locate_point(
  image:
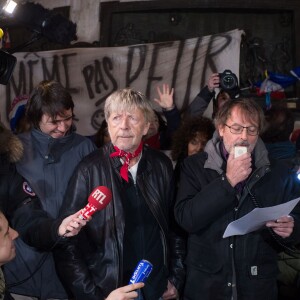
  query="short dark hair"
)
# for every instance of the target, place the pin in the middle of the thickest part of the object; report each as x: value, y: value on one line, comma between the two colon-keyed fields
x: 50, y: 98
x: 188, y: 130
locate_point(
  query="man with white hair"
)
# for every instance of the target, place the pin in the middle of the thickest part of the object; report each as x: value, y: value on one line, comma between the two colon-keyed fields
x: 137, y: 224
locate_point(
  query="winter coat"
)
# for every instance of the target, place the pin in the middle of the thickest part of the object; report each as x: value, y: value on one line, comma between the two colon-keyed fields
x: 242, y: 267
x: 91, y: 266
x: 13, y: 192
x: 11, y: 183
x: 199, y: 105
x: 47, y: 165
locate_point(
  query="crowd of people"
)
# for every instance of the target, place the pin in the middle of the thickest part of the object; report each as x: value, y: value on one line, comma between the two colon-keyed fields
x: 172, y: 215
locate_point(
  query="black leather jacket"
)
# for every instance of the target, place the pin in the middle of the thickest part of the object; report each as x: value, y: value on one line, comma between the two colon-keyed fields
x: 90, y: 264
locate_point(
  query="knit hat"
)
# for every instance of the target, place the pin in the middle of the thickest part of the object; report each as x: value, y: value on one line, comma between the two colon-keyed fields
x: 17, y: 111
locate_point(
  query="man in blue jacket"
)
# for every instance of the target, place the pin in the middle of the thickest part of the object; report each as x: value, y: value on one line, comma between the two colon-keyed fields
x: 218, y: 187
x: 52, y: 150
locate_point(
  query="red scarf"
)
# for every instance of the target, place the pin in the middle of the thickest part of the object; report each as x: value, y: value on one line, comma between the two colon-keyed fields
x: 128, y: 156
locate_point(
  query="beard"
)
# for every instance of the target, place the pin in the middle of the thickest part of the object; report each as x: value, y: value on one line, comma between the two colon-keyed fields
x: 230, y: 148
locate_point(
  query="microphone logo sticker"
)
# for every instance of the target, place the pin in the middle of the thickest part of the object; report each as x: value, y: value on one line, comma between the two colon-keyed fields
x: 27, y: 189
x: 88, y: 211
x: 99, y: 196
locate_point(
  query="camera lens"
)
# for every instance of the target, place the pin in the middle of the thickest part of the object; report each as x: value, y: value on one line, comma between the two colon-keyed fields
x: 228, y: 80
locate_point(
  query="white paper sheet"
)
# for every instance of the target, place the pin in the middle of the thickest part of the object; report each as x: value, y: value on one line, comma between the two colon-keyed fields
x: 258, y: 217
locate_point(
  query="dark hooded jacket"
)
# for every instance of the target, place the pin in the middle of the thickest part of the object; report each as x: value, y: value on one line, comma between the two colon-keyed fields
x: 47, y: 165
x: 201, y: 102
x: 242, y: 267
x: 13, y: 191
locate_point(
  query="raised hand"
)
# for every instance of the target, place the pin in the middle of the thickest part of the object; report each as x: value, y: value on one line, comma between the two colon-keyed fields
x: 213, y: 81
x: 165, y: 100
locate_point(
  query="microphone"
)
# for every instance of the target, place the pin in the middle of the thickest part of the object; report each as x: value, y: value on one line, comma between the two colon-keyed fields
x: 98, y: 200
x: 141, y: 272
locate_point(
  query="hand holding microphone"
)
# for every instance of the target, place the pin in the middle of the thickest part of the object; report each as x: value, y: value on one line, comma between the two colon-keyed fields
x: 139, y: 276
x: 98, y: 200
x: 126, y: 292
x: 239, y: 165
x: 71, y: 225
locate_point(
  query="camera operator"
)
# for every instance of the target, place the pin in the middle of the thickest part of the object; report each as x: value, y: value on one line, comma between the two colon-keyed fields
x: 229, y: 89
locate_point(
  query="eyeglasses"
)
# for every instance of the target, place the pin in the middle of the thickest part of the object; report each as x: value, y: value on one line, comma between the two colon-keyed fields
x: 238, y: 129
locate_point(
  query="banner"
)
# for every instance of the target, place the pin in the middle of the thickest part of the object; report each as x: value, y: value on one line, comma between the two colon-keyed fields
x: 91, y: 74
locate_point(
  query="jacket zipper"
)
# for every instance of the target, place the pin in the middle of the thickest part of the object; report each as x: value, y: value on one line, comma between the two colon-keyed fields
x: 163, y: 236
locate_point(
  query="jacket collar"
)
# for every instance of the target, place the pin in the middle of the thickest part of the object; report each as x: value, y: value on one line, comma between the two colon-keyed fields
x: 216, y: 162
x: 50, y: 148
x: 117, y: 164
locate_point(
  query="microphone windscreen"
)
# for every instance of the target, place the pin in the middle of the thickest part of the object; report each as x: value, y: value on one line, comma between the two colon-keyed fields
x: 100, y: 197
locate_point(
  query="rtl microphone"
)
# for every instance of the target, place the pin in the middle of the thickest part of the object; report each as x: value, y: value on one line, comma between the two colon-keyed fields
x: 98, y: 200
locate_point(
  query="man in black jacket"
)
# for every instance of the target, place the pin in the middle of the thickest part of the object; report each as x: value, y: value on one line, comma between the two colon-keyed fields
x: 218, y: 187
x: 11, y: 183
x: 137, y: 224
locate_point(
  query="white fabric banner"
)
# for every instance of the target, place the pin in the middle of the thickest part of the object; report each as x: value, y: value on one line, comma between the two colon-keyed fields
x: 91, y: 74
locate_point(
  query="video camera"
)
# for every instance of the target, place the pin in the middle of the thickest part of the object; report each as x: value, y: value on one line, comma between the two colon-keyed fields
x: 7, y: 65
x: 228, y: 81
x: 43, y: 23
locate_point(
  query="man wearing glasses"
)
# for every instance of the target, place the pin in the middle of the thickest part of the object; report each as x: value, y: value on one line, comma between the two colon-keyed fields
x: 52, y: 150
x: 221, y: 185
